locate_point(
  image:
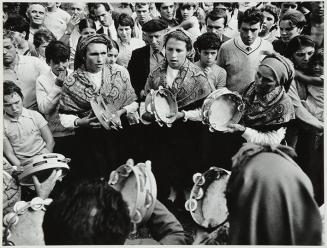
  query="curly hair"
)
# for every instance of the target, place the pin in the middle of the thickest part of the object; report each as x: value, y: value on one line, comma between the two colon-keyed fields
x: 207, y: 41
x: 17, y: 23
x: 124, y: 20
x: 41, y: 36
x: 89, y: 212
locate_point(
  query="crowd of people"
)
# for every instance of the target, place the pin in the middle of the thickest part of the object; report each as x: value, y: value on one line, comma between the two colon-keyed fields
x: 57, y: 57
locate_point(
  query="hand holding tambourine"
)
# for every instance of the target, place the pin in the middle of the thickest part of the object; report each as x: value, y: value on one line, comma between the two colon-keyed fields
x: 222, y: 108
x: 161, y: 106
x: 207, y: 202
x: 105, y: 113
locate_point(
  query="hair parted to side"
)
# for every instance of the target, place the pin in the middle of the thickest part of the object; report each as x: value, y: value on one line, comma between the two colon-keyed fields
x: 89, y: 212
x: 297, y: 42
x: 181, y: 36
x: 41, y: 36
x: 9, y: 88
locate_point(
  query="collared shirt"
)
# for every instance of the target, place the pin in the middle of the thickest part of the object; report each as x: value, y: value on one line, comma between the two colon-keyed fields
x: 47, y: 95
x: 24, y: 133
x: 126, y: 49
x: 111, y: 30
x: 155, y: 59
x: 24, y: 74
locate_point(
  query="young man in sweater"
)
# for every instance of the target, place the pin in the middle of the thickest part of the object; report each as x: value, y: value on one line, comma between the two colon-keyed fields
x: 241, y: 55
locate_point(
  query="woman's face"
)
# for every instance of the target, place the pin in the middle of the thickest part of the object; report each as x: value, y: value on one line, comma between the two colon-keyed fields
x: 124, y: 33
x: 112, y: 55
x: 268, y: 21
x: 96, y: 56
x: 187, y: 12
x: 175, y: 53
x: 288, y: 31
x: 88, y: 31
x: 302, y: 56
x: 264, y: 80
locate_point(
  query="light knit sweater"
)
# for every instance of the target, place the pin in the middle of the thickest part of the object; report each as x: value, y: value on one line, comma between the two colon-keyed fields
x: 241, y: 65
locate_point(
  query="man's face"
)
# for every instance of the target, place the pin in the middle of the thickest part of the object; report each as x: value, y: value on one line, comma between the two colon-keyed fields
x: 103, y: 16
x: 36, y: 14
x: 155, y: 39
x: 249, y: 32
x: 187, y: 12
x: 51, y: 5
x: 175, y: 53
x: 124, y: 33
x: 222, y: 7
x: 41, y: 49
x: 167, y: 10
x: 288, y: 31
x: 13, y: 105
x: 285, y: 6
x: 142, y: 13
x: 77, y: 8
x: 58, y: 67
x: 9, y: 51
x: 216, y: 27
x: 318, y: 9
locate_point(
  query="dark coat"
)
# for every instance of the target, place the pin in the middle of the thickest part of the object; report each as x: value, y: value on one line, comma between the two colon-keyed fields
x: 139, y: 68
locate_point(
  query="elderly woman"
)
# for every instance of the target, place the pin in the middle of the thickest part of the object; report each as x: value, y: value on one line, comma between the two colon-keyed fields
x: 268, y: 108
x: 94, y: 77
x: 189, y: 85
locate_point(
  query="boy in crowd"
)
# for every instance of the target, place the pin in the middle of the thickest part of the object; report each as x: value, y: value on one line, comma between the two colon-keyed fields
x: 207, y: 45
x: 48, y: 90
x: 26, y: 133
x: 216, y: 21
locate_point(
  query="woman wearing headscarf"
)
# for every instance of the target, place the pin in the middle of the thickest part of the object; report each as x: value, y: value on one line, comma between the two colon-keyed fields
x: 270, y: 200
x: 268, y: 108
x: 178, y: 145
x: 100, y: 150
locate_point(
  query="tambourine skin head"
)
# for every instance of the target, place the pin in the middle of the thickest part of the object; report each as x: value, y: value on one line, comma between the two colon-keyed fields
x: 207, y: 203
x: 102, y: 110
x: 221, y: 108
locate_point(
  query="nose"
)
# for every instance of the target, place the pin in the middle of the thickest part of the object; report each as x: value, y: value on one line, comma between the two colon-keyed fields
x: 101, y: 18
x: 306, y: 57
x: 283, y: 31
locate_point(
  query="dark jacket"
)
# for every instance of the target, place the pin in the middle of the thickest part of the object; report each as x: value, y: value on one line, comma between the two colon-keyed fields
x: 139, y: 68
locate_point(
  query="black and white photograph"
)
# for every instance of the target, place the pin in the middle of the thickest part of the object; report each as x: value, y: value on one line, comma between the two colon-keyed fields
x: 163, y: 123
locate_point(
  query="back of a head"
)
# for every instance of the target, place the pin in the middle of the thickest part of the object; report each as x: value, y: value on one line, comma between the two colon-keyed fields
x: 89, y: 212
x: 57, y: 51
x: 17, y: 23
x: 207, y: 41
x: 41, y: 36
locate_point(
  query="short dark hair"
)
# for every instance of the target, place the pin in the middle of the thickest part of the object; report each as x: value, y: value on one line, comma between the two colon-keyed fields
x: 124, y: 20
x: 41, y: 36
x: 251, y: 16
x: 271, y: 9
x: 181, y: 36
x: 9, y: 35
x: 297, y: 42
x: 295, y: 17
x: 88, y: 212
x: 9, y: 87
x: 140, y: 5
x: 86, y: 23
x: 184, y: 5
x: 17, y: 23
x: 318, y: 56
x: 207, y: 41
x: 217, y: 14
x: 57, y: 51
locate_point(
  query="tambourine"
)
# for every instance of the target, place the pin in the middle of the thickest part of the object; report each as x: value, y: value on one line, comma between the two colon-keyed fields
x: 221, y: 108
x: 207, y: 203
x: 138, y: 187
x: 42, y: 166
x: 104, y: 112
x: 162, y: 103
x: 23, y: 226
